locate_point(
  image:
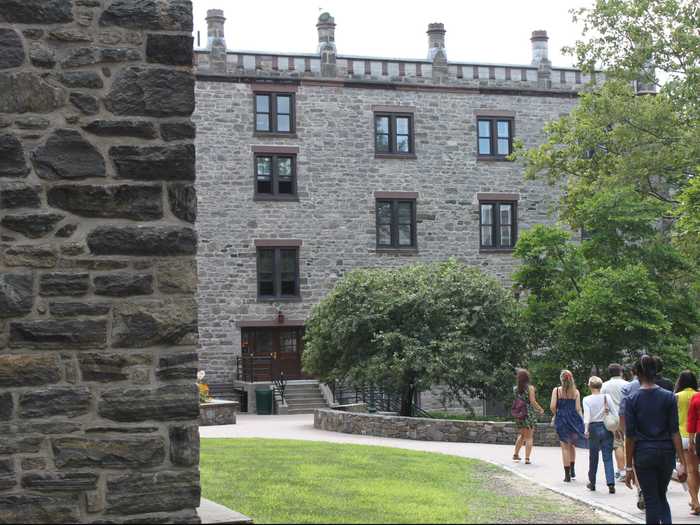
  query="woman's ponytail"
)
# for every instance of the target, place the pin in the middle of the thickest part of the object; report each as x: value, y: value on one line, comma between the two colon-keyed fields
x: 567, y: 381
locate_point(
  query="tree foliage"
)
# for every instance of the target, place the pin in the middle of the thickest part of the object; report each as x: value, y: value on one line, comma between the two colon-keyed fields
x: 582, y: 313
x: 628, y: 165
x: 411, y: 328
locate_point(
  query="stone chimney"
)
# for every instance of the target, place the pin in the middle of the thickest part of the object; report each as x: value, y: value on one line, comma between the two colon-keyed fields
x: 326, y: 44
x: 436, y: 40
x: 540, y: 58
x: 646, y: 83
x: 216, y: 40
x: 436, y: 51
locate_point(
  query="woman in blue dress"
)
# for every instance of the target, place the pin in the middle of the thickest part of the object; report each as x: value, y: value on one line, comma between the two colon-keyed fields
x: 566, y: 407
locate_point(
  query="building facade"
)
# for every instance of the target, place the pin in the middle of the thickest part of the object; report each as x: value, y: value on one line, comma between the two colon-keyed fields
x: 311, y: 165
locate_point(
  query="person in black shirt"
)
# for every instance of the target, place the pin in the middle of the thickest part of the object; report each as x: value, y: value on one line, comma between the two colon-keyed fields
x: 661, y: 381
x: 652, y: 442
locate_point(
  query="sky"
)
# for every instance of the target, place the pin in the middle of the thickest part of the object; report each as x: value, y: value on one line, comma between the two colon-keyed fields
x: 493, y: 31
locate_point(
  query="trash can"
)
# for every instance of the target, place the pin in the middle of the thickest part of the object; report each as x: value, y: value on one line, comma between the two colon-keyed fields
x: 263, y: 402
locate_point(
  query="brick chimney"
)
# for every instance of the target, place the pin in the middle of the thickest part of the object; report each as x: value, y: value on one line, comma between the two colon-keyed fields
x: 540, y: 58
x: 326, y: 44
x: 216, y: 40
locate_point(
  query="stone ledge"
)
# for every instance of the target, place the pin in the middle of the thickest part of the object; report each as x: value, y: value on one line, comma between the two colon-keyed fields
x: 420, y: 429
x: 214, y: 514
x: 218, y: 412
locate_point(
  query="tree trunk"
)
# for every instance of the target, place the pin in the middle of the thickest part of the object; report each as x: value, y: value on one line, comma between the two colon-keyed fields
x: 407, y: 395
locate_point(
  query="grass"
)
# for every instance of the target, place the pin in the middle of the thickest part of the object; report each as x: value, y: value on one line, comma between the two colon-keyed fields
x: 275, y: 481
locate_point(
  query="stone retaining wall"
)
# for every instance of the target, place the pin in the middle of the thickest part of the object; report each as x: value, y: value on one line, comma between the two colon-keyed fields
x: 428, y: 429
x: 98, y: 318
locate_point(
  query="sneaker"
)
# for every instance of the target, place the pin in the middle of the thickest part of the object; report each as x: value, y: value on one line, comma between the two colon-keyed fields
x: 622, y: 477
x: 618, y: 473
x: 591, y: 487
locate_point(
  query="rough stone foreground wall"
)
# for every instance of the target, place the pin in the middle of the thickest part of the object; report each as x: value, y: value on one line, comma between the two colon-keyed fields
x: 98, y: 320
x: 501, y: 433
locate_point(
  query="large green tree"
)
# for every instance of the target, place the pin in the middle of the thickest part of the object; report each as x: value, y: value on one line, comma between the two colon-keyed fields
x: 617, y: 140
x: 410, y: 328
x: 627, y: 158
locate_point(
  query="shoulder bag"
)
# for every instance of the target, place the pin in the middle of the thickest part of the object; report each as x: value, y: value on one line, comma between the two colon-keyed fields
x: 611, y: 422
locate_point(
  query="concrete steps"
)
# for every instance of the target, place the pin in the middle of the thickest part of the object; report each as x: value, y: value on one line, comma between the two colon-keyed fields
x: 304, y: 398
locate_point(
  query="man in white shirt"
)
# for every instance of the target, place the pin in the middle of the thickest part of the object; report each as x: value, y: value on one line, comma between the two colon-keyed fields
x: 616, y: 387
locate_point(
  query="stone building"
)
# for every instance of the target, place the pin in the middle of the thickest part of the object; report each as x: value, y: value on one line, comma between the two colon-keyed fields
x: 313, y: 164
x: 98, y: 317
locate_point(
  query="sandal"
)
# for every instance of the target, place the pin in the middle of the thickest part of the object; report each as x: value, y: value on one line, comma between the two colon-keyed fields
x: 516, y: 457
x: 695, y: 511
x: 527, y: 461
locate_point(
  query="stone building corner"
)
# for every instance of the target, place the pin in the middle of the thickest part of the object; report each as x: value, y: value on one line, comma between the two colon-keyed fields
x: 98, y: 318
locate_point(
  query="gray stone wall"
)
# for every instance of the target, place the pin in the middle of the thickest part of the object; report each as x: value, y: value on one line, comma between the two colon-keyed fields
x: 337, y: 177
x: 98, y: 319
x: 500, y: 433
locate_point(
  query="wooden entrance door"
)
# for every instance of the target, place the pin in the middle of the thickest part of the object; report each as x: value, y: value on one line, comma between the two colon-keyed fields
x: 275, y: 351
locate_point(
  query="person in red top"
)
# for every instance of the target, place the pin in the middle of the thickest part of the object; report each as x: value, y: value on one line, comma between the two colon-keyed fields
x: 694, y: 424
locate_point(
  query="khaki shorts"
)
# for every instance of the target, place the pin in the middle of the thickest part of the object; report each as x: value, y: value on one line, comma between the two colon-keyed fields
x: 619, y: 441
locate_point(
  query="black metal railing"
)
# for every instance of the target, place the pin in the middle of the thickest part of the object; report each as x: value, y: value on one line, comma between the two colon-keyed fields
x: 376, y: 398
x: 253, y: 368
x: 280, y: 384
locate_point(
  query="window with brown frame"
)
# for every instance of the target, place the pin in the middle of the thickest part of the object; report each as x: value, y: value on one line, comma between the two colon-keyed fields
x: 498, y: 225
x: 393, y: 134
x: 274, y: 113
x: 495, y: 137
x: 396, y: 224
x: 278, y: 272
x: 275, y: 176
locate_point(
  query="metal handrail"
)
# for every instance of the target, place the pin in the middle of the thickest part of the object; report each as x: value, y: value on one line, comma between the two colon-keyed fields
x: 280, y: 384
x: 246, y: 369
x: 376, y: 398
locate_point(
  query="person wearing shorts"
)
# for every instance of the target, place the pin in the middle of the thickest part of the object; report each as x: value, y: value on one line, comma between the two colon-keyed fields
x: 614, y: 387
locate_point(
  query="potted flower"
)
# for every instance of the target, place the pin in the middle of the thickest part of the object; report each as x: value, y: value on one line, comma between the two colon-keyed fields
x: 203, y: 387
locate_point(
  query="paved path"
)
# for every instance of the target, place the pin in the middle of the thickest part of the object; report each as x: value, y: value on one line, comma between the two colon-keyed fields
x: 545, y: 470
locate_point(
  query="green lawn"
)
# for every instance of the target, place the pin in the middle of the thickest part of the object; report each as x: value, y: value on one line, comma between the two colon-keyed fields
x: 301, y: 482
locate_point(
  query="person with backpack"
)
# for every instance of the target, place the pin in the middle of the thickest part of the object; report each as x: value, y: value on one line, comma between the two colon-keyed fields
x: 523, y: 411
x: 600, y: 420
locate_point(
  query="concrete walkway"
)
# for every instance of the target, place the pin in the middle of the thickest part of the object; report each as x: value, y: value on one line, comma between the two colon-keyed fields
x: 546, y: 469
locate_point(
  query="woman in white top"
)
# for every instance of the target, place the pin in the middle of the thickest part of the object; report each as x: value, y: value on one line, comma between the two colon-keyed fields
x: 600, y: 439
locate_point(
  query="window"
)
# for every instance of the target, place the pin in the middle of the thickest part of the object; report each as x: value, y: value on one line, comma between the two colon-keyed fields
x: 274, y: 113
x: 396, y: 223
x: 393, y: 134
x: 278, y: 272
x: 275, y: 175
x: 495, y: 137
x: 498, y: 225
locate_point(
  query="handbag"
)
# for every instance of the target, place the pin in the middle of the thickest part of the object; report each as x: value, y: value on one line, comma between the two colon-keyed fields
x: 610, y: 421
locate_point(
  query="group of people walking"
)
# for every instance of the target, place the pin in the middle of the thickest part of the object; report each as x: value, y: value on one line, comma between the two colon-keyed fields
x: 650, y: 426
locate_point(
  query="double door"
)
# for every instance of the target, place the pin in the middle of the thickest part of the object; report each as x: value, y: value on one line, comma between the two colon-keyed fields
x: 274, y: 352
